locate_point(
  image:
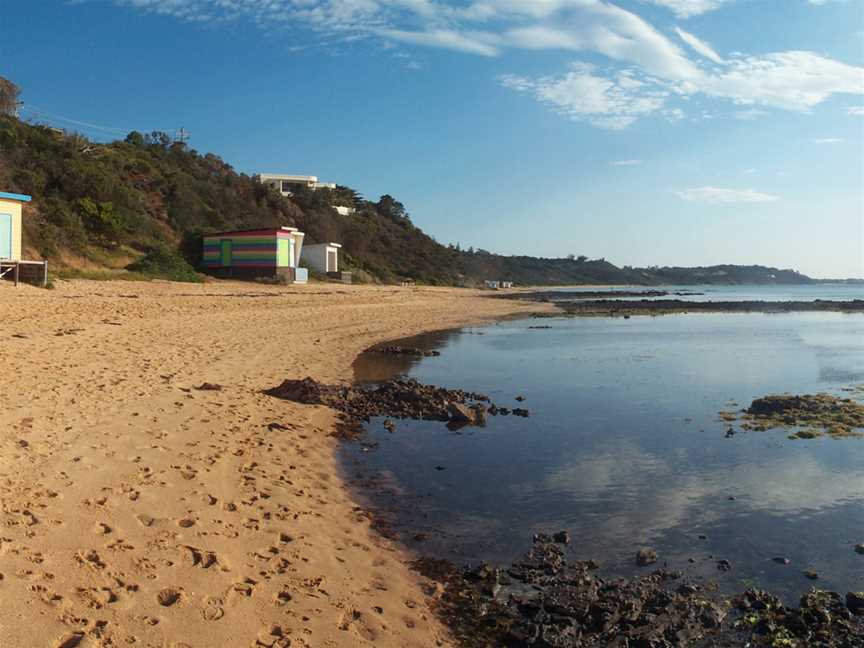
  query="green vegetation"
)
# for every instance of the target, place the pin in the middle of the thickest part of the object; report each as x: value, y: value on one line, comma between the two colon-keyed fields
x: 812, y: 414
x: 161, y: 261
x: 144, y: 202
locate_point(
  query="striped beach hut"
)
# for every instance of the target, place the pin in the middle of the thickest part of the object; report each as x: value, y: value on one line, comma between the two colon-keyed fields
x: 255, y: 253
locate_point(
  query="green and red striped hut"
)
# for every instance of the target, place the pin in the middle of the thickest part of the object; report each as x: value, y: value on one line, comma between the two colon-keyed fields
x: 246, y: 254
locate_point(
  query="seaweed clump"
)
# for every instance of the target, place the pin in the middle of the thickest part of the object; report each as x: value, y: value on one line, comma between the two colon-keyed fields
x: 816, y: 414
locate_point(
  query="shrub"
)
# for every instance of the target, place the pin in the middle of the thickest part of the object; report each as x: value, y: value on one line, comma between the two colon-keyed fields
x: 163, y: 262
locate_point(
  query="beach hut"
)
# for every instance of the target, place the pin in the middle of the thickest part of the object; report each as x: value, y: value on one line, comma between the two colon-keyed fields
x: 248, y: 254
x: 12, y: 266
x: 10, y: 225
x: 323, y: 257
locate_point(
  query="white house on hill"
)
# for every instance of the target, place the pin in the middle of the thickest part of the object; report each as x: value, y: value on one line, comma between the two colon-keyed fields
x: 288, y: 184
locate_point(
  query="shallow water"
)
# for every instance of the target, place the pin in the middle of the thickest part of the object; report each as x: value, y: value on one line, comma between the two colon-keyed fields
x: 624, y: 447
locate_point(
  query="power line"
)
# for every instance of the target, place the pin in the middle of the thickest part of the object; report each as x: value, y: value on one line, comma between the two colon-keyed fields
x: 39, y: 112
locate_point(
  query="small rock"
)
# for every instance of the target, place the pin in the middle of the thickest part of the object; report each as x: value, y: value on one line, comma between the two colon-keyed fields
x: 855, y: 602
x: 724, y: 565
x: 859, y: 549
x: 209, y: 387
x: 390, y: 426
x: 645, y: 557
x: 781, y: 560
x: 440, y: 468
x: 460, y: 413
x: 562, y: 537
x: 812, y: 575
x: 520, y: 398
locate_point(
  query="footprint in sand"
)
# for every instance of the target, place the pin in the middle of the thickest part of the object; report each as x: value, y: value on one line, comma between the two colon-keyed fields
x: 169, y: 596
x: 69, y: 640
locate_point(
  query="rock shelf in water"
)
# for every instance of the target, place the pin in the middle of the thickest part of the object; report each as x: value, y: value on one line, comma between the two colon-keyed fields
x: 544, y: 600
x: 816, y: 414
x: 401, y: 399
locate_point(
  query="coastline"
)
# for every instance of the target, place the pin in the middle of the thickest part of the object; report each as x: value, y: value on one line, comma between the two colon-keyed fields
x: 152, y: 511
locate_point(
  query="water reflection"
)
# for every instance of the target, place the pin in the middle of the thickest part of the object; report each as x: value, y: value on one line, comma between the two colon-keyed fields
x: 624, y: 447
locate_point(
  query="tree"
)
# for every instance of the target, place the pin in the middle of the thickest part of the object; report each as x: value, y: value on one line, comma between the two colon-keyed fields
x: 135, y: 139
x: 100, y: 219
x: 571, y: 257
x: 8, y: 97
x: 391, y: 208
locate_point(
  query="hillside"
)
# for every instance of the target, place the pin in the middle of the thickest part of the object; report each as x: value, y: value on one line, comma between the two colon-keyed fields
x: 104, y: 206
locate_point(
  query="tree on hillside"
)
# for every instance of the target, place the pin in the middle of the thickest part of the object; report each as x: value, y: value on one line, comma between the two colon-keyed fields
x: 8, y: 97
x: 391, y: 208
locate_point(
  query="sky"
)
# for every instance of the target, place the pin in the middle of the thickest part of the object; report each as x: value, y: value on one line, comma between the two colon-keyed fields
x: 646, y: 132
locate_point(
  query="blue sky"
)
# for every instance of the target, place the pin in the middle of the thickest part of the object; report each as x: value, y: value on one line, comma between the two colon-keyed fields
x: 648, y: 132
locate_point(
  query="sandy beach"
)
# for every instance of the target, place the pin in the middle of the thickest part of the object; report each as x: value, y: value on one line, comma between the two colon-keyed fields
x: 141, y: 511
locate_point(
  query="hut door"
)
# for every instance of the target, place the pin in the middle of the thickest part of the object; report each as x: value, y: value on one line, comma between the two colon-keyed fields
x: 331, y: 261
x: 5, y: 236
x: 225, y: 250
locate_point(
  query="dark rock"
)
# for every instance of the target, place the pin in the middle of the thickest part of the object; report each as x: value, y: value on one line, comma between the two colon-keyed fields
x: 724, y: 565
x: 389, y: 425
x: 781, y: 560
x: 562, y: 537
x: 520, y: 398
x: 859, y: 549
x: 855, y: 602
x: 409, y: 351
x: 645, y: 557
x: 812, y: 575
x: 209, y: 387
x: 545, y: 601
x: 460, y: 413
x: 518, y: 411
x: 398, y: 399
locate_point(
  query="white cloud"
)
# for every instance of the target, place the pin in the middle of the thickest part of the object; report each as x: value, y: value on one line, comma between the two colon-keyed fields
x: 856, y: 110
x: 612, y: 103
x: 687, y: 8
x: 645, y: 71
x: 720, y: 196
x: 699, y: 45
x: 827, y: 140
x: 626, y: 162
x: 469, y: 42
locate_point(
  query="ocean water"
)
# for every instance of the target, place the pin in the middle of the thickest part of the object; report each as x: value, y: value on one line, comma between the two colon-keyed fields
x: 809, y: 292
x: 624, y: 447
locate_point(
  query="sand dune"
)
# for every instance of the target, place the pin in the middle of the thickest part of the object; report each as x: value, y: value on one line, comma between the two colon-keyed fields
x: 140, y: 511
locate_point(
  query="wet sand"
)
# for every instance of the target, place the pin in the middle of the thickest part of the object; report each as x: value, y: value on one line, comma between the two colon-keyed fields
x: 139, y: 510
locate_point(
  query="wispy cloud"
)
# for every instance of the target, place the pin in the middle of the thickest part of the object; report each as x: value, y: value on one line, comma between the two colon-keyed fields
x: 827, y: 140
x: 613, y: 102
x: 643, y: 73
x: 687, y: 8
x: 699, y: 46
x: 626, y: 162
x: 721, y: 196
x: 856, y: 110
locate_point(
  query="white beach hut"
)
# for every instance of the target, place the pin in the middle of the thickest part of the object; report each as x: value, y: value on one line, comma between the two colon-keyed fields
x: 323, y: 257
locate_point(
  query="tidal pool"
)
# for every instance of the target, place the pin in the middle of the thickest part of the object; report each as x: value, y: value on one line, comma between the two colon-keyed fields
x: 624, y: 447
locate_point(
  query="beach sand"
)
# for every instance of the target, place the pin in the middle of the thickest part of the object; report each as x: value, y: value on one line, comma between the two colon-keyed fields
x: 140, y: 511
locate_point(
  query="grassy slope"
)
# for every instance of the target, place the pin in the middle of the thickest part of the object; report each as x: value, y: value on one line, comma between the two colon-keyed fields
x: 99, y: 206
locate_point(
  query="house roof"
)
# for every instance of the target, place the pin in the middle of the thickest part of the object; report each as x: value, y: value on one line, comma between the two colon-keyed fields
x: 261, y: 231
x: 14, y: 196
